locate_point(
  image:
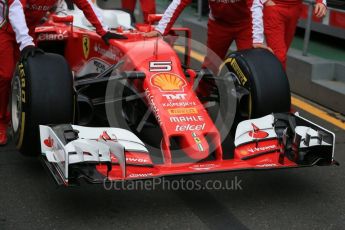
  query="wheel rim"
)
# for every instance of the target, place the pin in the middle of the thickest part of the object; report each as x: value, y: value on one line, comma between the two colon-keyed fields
x: 245, y: 104
x: 16, y: 103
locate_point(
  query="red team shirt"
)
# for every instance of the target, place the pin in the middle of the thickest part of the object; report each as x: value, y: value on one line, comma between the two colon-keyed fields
x: 294, y: 2
x: 12, y: 11
x: 234, y: 13
x: 231, y: 12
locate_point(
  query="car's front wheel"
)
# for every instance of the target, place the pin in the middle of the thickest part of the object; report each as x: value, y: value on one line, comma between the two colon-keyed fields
x: 261, y: 83
x: 42, y: 93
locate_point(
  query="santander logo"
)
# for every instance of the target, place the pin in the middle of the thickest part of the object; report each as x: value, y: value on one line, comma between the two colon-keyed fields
x: 49, y: 142
x: 261, y: 149
x: 257, y: 133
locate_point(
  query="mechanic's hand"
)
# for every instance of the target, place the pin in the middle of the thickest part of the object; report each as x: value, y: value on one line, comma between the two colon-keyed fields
x: 151, y: 34
x: 269, y: 3
x: 320, y: 10
x: 110, y: 35
x: 30, y: 51
x: 262, y: 46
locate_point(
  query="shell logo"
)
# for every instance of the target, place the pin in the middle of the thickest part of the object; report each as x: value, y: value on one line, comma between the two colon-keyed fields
x: 244, y: 152
x: 168, y: 82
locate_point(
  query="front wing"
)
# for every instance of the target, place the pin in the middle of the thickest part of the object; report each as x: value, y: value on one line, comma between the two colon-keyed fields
x: 97, y: 155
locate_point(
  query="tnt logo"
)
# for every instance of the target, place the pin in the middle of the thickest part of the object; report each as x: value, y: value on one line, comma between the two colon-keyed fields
x: 180, y: 96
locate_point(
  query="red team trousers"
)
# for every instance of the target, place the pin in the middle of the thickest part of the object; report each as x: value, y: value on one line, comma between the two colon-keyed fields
x: 9, y: 56
x: 280, y: 23
x: 147, y: 6
x: 219, y: 38
x: 228, y: 21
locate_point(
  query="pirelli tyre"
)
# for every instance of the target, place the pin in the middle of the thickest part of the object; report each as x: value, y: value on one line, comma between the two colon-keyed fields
x: 261, y: 83
x: 42, y: 93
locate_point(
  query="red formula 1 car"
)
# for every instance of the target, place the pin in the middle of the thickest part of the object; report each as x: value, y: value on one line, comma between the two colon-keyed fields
x: 133, y: 110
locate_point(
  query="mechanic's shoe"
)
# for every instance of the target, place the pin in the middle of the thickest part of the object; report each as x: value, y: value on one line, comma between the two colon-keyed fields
x: 3, y: 134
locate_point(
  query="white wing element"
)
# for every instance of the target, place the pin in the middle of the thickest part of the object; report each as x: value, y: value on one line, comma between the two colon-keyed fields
x: 262, y: 128
x: 89, y: 148
x: 245, y: 129
x: 309, y: 137
x: 124, y: 137
x: 88, y: 151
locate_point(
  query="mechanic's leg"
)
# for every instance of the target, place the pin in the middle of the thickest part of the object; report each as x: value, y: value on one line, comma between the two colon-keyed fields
x: 274, y: 25
x: 219, y: 39
x: 129, y: 5
x: 8, y: 55
x: 148, y: 7
x: 244, y: 37
x: 291, y: 24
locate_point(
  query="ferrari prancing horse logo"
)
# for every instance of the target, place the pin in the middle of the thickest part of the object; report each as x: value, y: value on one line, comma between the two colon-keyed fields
x: 86, y: 46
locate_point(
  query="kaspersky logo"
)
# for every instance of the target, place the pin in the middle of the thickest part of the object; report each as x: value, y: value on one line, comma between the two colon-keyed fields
x: 168, y: 82
x: 257, y: 133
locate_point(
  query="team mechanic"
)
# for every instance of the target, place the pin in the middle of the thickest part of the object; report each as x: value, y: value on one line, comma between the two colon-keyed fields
x: 18, y: 20
x: 229, y: 20
x: 147, y: 6
x: 280, y: 19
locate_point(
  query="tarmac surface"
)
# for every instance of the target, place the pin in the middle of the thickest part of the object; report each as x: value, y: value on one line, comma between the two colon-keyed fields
x: 308, y: 198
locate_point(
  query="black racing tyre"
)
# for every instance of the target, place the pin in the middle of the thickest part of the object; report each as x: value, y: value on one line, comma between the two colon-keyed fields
x: 261, y: 82
x: 42, y: 93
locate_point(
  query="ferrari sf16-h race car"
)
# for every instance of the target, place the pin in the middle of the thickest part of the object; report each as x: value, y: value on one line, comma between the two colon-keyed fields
x: 134, y: 110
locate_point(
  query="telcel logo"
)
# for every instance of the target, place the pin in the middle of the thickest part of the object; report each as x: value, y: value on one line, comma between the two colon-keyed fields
x: 182, y: 128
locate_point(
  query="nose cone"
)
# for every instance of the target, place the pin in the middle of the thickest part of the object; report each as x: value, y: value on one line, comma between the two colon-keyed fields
x: 195, y: 146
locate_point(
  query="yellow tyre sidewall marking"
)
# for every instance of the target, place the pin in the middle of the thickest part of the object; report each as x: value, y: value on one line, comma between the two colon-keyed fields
x: 21, y: 133
x: 23, y: 86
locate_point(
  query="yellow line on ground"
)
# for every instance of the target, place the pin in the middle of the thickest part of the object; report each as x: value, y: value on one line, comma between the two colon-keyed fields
x: 196, y: 55
x: 295, y: 101
x: 317, y: 112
